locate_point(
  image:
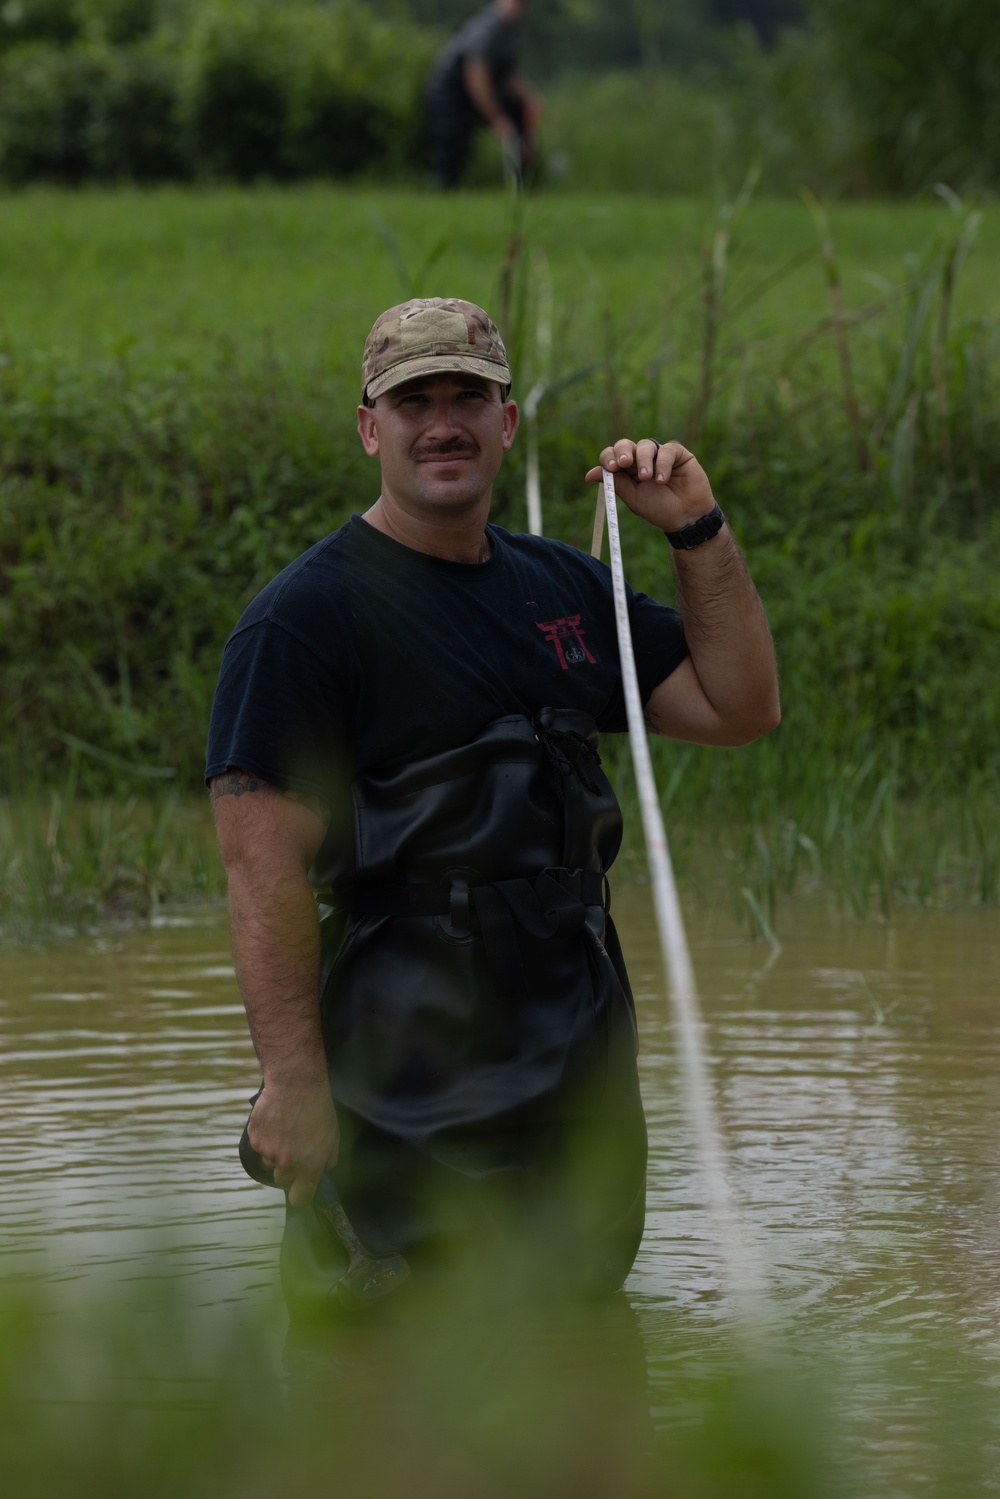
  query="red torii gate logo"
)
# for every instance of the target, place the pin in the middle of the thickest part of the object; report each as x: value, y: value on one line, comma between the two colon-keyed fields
x: 567, y: 637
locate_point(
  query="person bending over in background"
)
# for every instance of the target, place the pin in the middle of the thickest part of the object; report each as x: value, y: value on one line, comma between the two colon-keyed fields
x: 405, y: 734
x: 475, y: 80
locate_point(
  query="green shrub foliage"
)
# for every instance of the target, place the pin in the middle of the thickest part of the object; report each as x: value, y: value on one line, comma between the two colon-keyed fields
x: 85, y: 112
x: 54, y: 21
x: 295, y: 91
x: 244, y: 89
x: 923, y: 79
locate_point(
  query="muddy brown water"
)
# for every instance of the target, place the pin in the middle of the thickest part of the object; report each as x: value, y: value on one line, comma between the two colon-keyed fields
x: 857, y: 1076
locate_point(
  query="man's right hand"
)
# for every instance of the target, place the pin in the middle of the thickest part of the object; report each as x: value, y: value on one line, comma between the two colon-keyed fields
x: 294, y: 1130
x: 269, y: 837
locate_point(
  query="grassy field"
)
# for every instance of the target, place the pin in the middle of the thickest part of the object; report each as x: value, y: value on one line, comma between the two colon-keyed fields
x: 178, y: 377
x: 301, y: 273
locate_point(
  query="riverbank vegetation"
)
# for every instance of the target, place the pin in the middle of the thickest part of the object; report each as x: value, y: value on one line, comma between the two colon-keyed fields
x: 70, y: 863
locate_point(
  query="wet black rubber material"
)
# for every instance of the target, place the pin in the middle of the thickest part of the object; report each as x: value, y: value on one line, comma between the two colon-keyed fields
x: 477, y: 1016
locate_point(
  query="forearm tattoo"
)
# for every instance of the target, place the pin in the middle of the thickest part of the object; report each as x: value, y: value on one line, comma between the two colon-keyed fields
x: 242, y: 783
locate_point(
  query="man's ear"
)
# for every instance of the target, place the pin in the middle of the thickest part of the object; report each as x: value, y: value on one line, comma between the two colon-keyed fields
x: 366, y: 427
x: 511, y: 417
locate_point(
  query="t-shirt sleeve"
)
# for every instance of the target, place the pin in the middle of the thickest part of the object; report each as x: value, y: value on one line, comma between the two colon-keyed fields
x: 660, y: 647
x: 658, y: 640
x: 280, y: 713
x: 487, y: 40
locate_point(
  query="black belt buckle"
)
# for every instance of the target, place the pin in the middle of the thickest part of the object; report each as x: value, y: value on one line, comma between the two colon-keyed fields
x: 457, y: 925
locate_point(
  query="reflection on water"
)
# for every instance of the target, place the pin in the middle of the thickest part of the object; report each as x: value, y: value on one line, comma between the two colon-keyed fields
x: 125, y: 1068
x: 858, y: 1083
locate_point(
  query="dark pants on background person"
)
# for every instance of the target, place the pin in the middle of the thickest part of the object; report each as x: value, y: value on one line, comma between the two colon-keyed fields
x: 453, y: 122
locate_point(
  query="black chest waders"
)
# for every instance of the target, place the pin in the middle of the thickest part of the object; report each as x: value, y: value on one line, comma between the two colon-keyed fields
x: 477, y: 1016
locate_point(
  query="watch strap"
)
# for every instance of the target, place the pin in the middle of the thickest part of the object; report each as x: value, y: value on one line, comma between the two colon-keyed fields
x: 699, y: 531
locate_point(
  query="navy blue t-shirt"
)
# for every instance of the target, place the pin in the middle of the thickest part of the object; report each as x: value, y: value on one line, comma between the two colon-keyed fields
x: 364, y: 655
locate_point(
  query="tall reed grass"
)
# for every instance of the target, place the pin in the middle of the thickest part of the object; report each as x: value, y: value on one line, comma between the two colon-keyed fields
x: 850, y: 835
x: 67, y: 863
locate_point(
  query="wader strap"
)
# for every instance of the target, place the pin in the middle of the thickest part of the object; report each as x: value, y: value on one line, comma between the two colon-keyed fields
x: 503, y: 952
x: 377, y: 899
x: 554, y: 904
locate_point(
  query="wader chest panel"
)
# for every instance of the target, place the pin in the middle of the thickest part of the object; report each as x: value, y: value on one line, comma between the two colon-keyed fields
x: 472, y: 985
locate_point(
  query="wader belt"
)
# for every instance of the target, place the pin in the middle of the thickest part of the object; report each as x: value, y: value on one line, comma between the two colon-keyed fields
x: 554, y: 904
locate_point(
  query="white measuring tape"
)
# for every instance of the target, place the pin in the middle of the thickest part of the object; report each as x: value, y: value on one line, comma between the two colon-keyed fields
x: 673, y: 938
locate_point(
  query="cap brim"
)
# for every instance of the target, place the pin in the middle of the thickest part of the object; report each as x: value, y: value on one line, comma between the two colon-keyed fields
x: 437, y: 364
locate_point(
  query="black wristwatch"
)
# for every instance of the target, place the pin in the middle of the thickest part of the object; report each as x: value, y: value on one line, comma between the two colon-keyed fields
x: 702, y: 529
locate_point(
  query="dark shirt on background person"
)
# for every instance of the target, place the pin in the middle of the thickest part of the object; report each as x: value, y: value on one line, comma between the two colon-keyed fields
x: 488, y: 35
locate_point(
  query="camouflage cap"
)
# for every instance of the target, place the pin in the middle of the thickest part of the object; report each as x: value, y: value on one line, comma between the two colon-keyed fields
x: 427, y: 336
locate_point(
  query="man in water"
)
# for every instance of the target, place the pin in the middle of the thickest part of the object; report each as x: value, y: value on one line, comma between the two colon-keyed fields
x: 416, y: 827
x: 475, y: 81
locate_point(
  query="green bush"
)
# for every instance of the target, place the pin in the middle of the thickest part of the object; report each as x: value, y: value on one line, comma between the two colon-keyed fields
x: 63, y: 21
x: 923, y: 80
x: 358, y: 98
x: 868, y: 97
x: 118, y: 22
x: 48, y: 99
x: 130, y: 512
x: 295, y: 91
x: 877, y: 97
x: 236, y: 90
x: 54, y: 21
x: 88, y: 111
x: 133, y: 132
x: 247, y: 89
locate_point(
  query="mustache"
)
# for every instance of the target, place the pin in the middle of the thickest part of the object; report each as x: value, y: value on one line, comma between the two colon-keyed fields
x: 446, y: 449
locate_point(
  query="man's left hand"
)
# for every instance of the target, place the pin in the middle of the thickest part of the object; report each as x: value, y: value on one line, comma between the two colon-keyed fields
x: 662, y: 483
